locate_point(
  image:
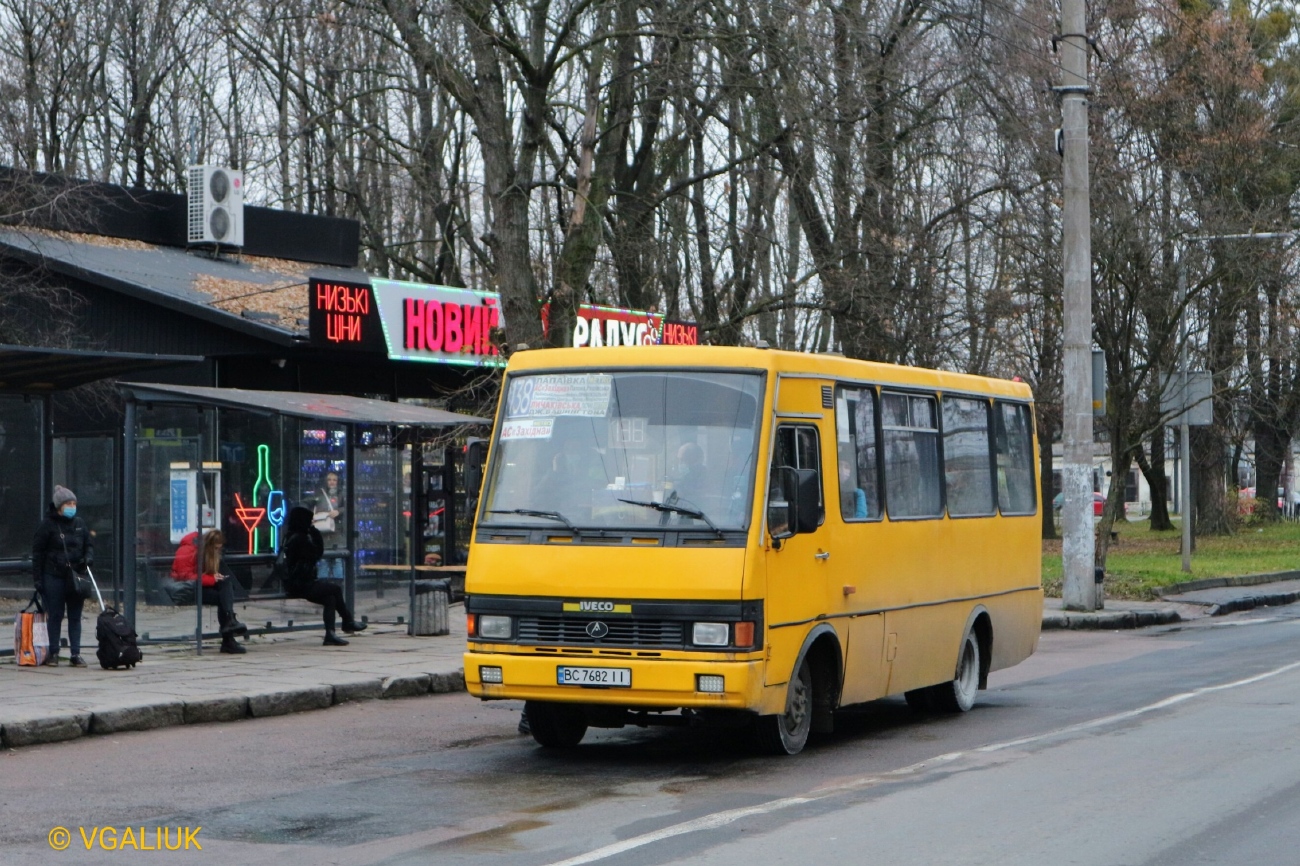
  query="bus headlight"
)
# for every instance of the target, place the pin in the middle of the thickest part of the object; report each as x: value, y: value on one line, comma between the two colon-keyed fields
x: 710, y: 634
x: 494, y: 626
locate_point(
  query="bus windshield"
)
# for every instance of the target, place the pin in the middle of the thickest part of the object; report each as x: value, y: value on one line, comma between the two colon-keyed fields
x: 626, y: 450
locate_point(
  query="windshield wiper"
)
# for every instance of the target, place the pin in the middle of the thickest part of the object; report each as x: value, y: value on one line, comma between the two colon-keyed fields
x: 676, y: 509
x: 532, y: 512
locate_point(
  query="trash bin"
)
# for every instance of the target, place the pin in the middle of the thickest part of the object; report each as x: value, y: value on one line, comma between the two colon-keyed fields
x: 429, y: 607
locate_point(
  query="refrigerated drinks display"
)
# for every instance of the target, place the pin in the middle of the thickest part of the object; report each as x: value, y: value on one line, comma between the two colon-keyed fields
x: 377, y: 499
x: 321, y: 451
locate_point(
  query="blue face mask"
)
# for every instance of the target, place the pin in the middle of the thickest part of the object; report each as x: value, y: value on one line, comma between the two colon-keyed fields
x: 69, y: 511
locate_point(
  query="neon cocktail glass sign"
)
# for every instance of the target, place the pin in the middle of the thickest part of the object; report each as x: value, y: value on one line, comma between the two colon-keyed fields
x: 249, y: 517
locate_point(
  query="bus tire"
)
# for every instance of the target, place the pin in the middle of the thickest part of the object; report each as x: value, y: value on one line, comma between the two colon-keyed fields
x: 556, y: 726
x: 958, y: 696
x: 787, y: 733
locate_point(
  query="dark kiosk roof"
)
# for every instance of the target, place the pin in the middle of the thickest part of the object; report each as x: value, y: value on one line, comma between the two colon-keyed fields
x: 32, y: 370
x: 354, y: 410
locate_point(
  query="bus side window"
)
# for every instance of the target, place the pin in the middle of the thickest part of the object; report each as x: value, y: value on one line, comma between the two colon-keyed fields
x: 968, y: 481
x: 855, y: 434
x: 797, y: 446
x: 911, y: 445
x: 1015, y: 458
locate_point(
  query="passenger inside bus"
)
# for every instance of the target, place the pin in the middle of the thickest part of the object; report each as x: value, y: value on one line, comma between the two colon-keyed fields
x: 690, y: 481
x: 853, y: 499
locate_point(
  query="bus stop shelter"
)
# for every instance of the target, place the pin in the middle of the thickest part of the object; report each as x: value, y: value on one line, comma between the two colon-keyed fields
x: 199, y: 458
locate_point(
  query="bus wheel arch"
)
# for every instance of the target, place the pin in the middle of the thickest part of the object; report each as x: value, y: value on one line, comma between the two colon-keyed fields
x: 812, y: 694
x: 982, y: 625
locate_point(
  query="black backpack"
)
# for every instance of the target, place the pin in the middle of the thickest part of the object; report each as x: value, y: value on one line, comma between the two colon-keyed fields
x: 117, y: 646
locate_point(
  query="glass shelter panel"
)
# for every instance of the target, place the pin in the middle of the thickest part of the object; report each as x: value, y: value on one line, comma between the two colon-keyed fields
x: 85, y: 465
x: 22, y: 500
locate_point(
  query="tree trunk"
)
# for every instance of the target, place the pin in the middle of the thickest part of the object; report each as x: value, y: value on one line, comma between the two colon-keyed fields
x: 1153, y: 469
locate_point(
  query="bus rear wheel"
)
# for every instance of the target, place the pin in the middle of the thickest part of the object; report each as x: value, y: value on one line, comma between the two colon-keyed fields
x: 556, y: 726
x: 787, y: 733
x: 958, y: 696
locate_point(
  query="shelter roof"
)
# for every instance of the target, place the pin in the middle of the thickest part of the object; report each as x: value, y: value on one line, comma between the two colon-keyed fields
x: 331, y: 407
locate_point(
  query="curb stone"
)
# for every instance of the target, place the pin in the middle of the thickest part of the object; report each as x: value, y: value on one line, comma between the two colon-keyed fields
x: 55, y: 729
x: 1252, y: 602
x: 406, y: 687
x: 360, y: 690
x: 1222, y: 582
x: 224, y: 709
x: 283, y: 702
x: 441, y: 684
x: 138, y: 718
x: 1115, y: 620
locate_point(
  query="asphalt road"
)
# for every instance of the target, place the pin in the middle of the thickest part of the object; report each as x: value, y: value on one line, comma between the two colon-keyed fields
x: 1160, y: 746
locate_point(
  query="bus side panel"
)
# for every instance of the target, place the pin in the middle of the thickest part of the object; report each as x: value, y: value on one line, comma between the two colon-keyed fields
x: 865, y: 677
x: 1017, y: 621
x: 939, y: 571
x: 926, y: 645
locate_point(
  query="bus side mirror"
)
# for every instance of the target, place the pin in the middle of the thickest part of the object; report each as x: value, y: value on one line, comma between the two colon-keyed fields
x: 782, y: 516
x: 475, y: 457
x: 808, y: 500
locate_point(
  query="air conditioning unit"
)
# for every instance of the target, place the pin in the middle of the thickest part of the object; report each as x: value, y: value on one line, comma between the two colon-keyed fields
x: 216, y: 206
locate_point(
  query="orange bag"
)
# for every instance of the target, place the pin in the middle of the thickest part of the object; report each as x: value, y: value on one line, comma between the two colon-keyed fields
x: 31, y: 638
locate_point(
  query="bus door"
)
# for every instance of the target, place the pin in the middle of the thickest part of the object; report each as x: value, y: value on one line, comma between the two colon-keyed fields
x: 858, y: 537
x: 797, y: 570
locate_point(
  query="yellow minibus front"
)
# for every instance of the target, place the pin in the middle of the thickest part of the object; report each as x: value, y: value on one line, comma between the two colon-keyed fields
x: 660, y: 540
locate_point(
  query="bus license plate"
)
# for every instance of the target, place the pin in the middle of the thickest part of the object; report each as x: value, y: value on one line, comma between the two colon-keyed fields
x: 619, y: 678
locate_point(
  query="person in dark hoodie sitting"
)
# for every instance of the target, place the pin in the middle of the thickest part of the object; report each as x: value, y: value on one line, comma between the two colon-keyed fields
x: 303, y: 549
x: 61, y: 541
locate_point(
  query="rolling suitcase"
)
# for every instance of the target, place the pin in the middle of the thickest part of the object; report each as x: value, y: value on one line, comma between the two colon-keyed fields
x: 117, y: 640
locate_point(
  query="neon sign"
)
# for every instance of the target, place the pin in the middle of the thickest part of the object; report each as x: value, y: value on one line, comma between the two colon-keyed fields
x: 596, y: 326
x: 343, y: 316
x: 275, y: 511
x: 249, y: 517
x: 442, y: 326
x: 439, y: 323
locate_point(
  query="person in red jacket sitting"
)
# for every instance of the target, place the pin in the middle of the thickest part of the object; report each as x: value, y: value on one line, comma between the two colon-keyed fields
x: 218, y: 587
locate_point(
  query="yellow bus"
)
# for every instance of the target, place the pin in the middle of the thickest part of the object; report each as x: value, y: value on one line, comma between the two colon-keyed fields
x: 688, y: 534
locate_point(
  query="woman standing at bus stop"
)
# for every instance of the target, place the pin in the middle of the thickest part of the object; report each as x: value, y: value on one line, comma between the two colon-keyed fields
x: 61, y: 541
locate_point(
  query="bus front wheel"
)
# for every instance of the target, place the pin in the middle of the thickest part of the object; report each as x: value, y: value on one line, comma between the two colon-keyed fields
x: 556, y: 726
x: 787, y: 733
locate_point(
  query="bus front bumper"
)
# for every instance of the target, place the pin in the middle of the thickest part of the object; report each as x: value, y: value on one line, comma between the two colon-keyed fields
x: 655, y: 683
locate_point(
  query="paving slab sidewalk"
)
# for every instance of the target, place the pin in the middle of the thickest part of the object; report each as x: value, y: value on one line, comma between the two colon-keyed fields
x: 280, y: 673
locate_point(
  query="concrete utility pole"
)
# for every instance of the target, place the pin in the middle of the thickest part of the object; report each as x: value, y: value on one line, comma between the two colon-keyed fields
x: 1078, y: 552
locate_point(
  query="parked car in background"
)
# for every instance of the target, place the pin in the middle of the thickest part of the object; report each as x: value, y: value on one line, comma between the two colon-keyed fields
x: 1098, y: 503
x: 1246, y: 500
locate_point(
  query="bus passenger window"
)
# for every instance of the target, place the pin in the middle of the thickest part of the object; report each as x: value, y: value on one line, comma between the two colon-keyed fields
x: 855, y: 433
x: 911, y: 447
x: 967, y: 471
x: 1015, y: 459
